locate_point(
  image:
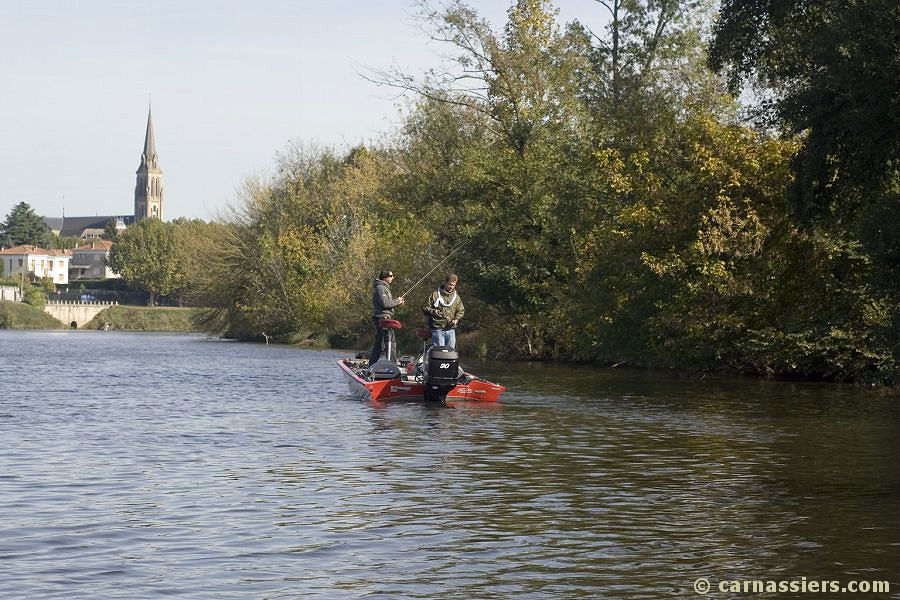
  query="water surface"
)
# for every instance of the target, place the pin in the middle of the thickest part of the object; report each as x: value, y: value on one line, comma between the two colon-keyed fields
x: 143, y: 465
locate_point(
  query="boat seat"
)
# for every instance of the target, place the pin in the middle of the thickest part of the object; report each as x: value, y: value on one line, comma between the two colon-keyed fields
x: 390, y: 324
x: 384, y: 369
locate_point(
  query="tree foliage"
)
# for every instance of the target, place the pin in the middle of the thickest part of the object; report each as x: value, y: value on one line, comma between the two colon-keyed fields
x: 146, y: 257
x: 827, y: 72
x: 63, y: 242
x: 24, y: 226
x: 613, y: 208
x: 296, y: 255
x: 35, y: 295
x: 110, y: 232
x: 831, y: 69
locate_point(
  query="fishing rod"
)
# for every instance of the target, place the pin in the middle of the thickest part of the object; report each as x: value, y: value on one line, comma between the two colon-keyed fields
x: 403, y: 295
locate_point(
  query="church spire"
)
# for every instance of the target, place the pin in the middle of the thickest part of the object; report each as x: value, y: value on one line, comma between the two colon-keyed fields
x: 149, y: 143
x: 148, y: 191
x: 149, y: 159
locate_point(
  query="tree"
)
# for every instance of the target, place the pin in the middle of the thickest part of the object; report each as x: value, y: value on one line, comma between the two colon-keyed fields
x: 492, y: 156
x: 146, y: 257
x: 23, y: 226
x: 63, y: 242
x: 296, y: 257
x: 648, y: 68
x: 826, y: 73
x: 35, y: 296
x: 110, y: 232
x: 826, y: 70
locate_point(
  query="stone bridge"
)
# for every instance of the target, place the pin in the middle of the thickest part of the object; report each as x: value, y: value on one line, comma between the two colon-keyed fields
x: 76, y: 314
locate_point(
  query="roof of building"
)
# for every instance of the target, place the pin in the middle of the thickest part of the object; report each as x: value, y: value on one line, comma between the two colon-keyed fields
x: 29, y: 249
x: 75, y: 226
x: 54, y: 223
x: 103, y: 245
x: 24, y: 249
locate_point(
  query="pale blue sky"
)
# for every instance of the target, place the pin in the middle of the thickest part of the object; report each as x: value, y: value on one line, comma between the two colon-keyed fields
x: 232, y: 83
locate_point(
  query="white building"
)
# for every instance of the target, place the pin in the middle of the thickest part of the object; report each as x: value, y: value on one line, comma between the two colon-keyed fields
x: 90, y: 261
x: 34, y: 262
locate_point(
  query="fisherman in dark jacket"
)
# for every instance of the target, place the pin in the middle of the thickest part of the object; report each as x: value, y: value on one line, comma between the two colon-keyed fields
x: 383, y: 304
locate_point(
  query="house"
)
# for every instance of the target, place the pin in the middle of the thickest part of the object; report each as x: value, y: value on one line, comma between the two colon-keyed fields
x: 36, y: 262
x: 90, y: 261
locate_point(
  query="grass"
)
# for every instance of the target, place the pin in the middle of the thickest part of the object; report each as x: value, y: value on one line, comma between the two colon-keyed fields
x: 143, y: 318
x: 18, y: 315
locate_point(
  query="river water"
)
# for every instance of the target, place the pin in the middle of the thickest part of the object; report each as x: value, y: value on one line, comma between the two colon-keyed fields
x: 146, y: 465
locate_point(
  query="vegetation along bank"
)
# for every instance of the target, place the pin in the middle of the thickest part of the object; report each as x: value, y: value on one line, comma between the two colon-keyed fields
x: 620, y: 203
x: 19, y: 315
x: 142, y: 318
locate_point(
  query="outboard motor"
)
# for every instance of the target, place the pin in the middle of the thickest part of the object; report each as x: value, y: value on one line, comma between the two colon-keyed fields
x: 441, y: 372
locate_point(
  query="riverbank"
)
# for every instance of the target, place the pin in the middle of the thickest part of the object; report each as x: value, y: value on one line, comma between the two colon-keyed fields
x: 143, y: 318
x: 18, y: 315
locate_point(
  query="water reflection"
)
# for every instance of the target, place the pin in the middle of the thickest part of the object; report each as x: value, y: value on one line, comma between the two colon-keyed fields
x: 248, y: 471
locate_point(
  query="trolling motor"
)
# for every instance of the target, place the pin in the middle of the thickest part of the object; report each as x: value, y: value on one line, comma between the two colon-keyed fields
x: 441, y: 366
x: 386, y: 366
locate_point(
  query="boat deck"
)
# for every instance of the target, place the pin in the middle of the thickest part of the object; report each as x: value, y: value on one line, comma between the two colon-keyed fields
x: 411, y: 386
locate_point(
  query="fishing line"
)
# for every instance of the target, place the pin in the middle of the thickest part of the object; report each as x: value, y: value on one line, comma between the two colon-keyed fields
x: 433, y: 268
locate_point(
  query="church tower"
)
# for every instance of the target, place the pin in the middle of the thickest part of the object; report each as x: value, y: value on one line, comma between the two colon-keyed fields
x: 148, y: 191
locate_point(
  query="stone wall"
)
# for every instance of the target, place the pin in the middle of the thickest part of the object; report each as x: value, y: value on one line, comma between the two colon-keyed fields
x: 79, y: 313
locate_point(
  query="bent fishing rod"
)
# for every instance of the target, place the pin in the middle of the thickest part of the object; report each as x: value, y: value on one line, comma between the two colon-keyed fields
x: 403, y: 295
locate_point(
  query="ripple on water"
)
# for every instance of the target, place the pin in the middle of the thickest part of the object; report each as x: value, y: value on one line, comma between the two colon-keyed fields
x: 186, y: 467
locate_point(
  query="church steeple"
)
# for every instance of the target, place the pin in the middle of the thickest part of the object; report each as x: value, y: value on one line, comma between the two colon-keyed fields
x: 149, y: 155
x: 148, y: 192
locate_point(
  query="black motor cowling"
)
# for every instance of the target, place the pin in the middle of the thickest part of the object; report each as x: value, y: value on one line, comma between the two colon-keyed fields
x: 441, y: 372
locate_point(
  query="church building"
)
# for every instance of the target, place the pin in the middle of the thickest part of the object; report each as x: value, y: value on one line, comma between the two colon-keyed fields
x: 148, y: 198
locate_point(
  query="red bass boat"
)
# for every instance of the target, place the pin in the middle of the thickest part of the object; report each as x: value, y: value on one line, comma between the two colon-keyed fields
x: 434, y: 376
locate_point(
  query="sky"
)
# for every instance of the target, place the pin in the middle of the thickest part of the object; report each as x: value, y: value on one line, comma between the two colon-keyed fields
x: 231, y: 83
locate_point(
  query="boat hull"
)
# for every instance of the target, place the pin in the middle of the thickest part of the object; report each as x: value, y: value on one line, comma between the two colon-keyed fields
x: 475, y: 390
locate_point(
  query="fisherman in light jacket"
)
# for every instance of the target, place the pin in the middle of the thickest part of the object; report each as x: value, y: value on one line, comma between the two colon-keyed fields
x: 444, y: 310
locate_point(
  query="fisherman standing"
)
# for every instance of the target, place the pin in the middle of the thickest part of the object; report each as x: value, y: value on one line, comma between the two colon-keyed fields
x: 444, y: 310
x: 383, y: 304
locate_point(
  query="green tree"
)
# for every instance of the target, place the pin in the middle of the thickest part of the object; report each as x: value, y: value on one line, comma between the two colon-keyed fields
x: 827, y: 73
x: 614, y: 208
x: 109, y: 231
x: 63, y: 242
x: 830, y: 69
x: 196, y: 242
x: 648, y: 69
x: 146, y: 257
x: 490, y: 157
x: 35, y: 296
x: 47, y: 285
x: 23, y: 226
x: 295, y: 257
